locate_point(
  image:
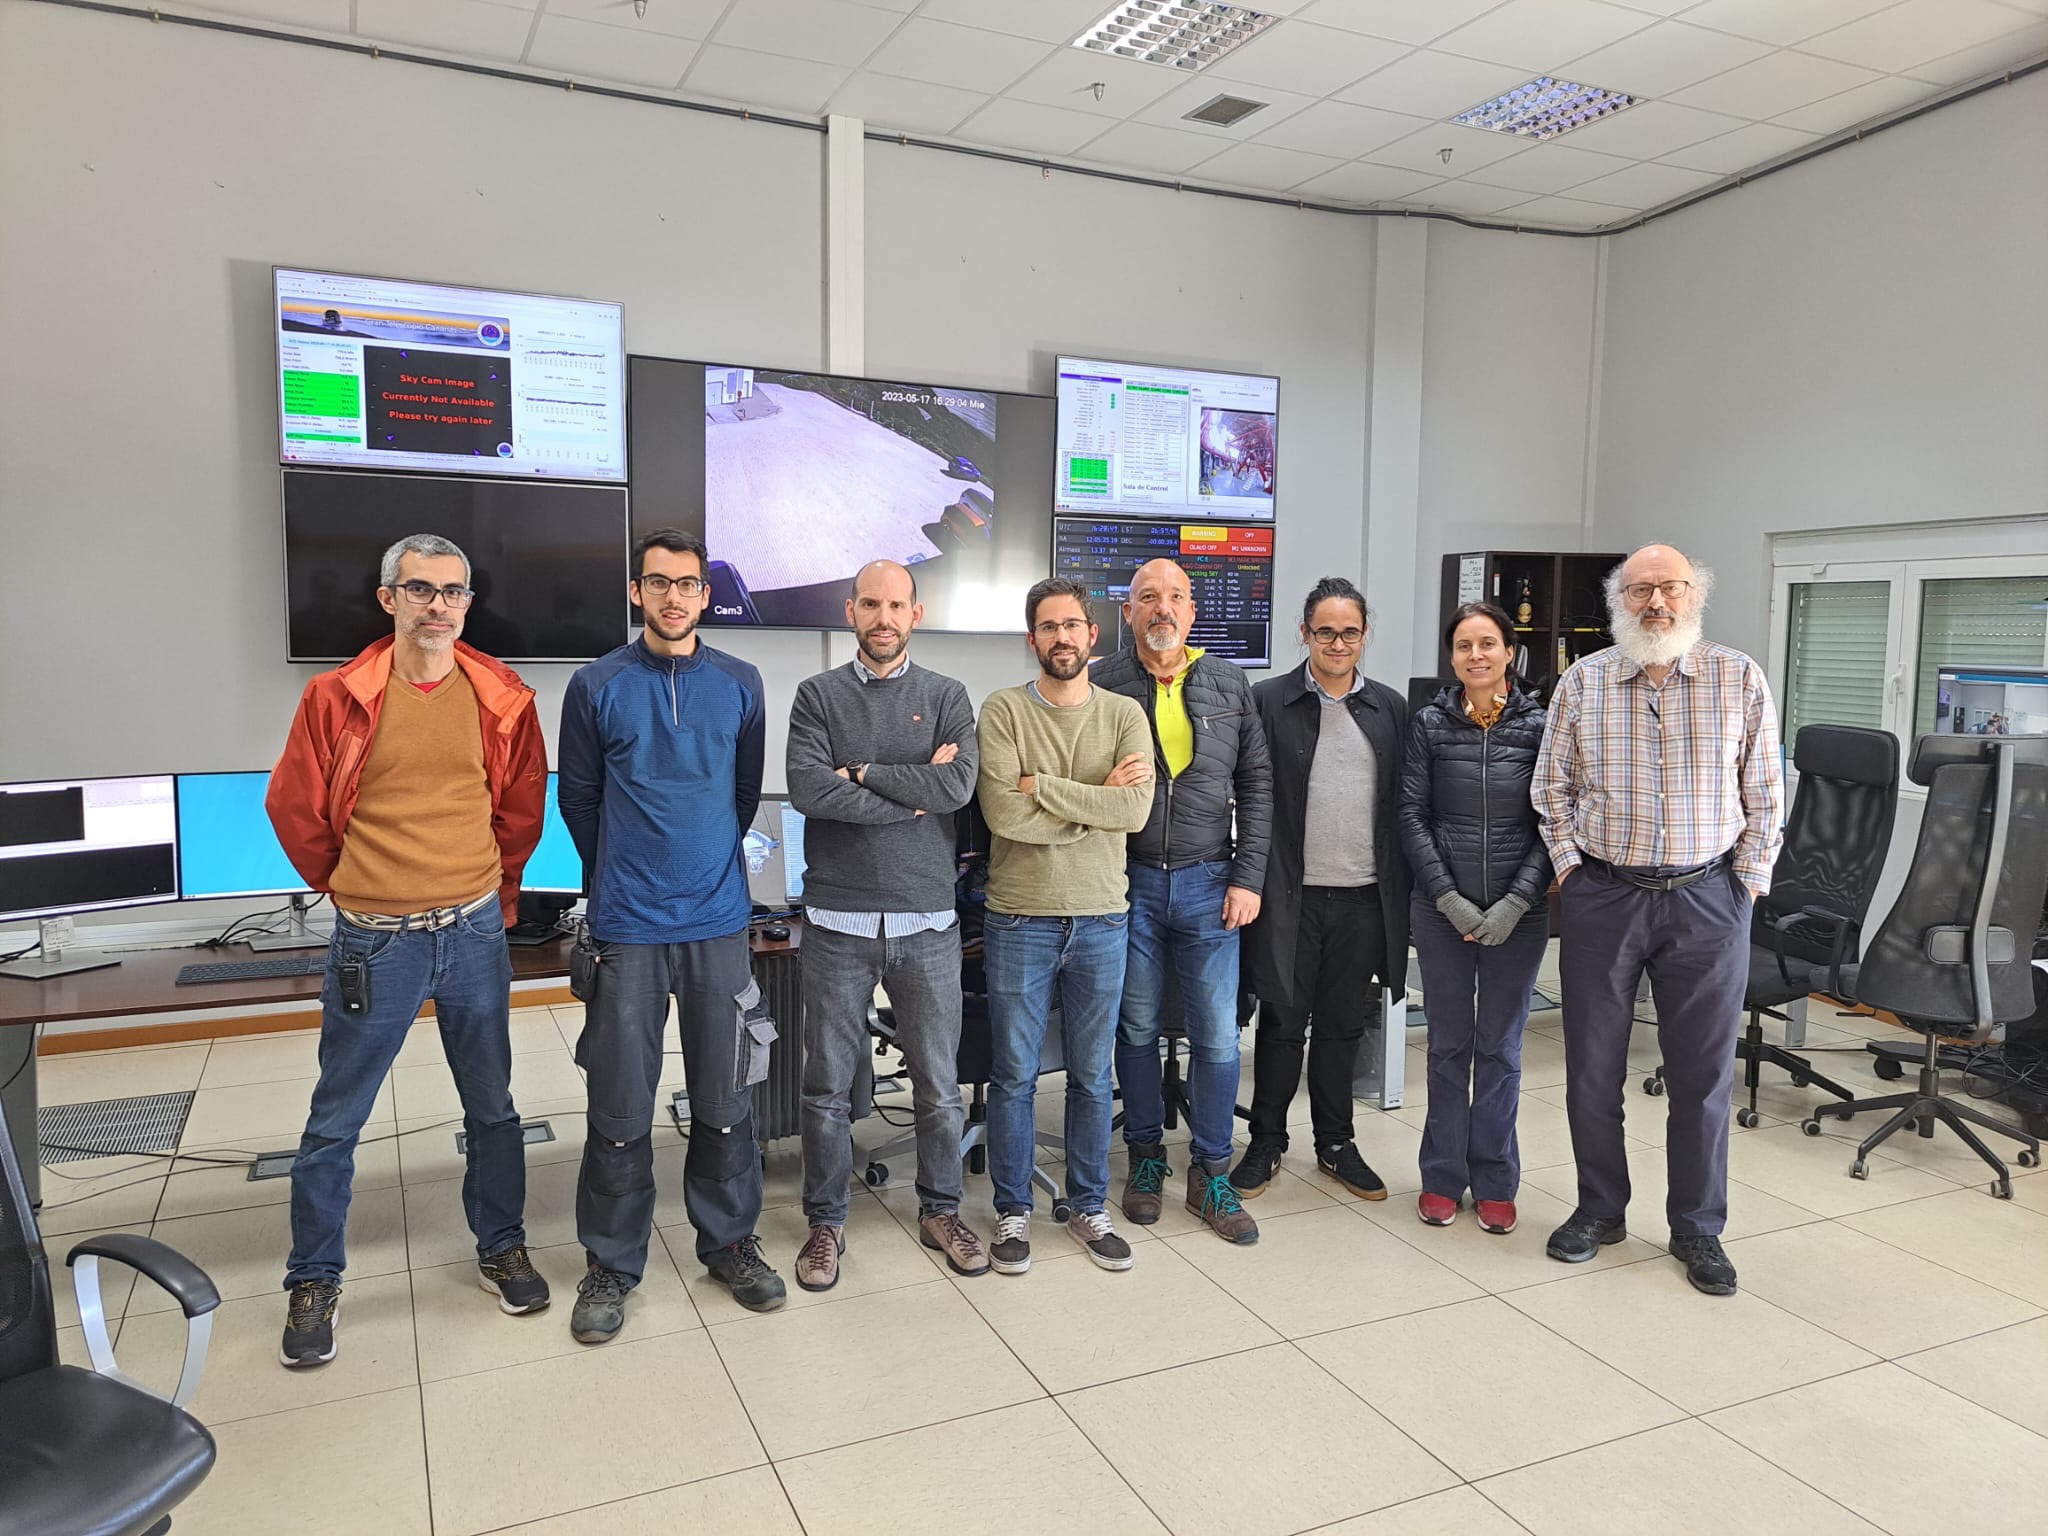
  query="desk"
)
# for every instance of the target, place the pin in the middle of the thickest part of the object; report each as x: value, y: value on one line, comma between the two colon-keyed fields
x: 146, y: 981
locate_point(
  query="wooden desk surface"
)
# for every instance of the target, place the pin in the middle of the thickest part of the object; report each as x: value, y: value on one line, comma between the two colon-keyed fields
x: 146, y: 981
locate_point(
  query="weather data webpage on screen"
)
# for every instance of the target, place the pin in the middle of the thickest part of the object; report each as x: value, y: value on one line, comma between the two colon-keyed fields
x: 1165, y: 442
x: 392, y: 375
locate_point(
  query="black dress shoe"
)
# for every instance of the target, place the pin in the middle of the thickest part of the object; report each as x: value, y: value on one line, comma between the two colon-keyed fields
x: 1582, y: 1236
x: 1706, y: 1264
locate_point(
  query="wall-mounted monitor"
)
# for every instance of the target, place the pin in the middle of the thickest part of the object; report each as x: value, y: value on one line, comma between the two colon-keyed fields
x: 1230, y: 570
x: 85, y: 845
x: 1147, y: 440
x: 796, y: 480
x: 547, y: 561
x: 375, y: 373
x: 226, y: 844
x: 1991, y: 701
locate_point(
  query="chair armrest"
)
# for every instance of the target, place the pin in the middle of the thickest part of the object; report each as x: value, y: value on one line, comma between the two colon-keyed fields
x: 1845, y: 928
x: 189, y: 1285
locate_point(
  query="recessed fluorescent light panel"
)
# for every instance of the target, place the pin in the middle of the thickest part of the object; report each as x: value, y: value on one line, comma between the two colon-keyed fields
x: 1544, y: 108
x: 1183, y: 33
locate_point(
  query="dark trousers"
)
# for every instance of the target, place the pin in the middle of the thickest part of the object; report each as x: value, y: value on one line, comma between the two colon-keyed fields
x: 1339, y: 950
x: 1477, y: 998
x: 1694, y: 944
x: 620, y: 1051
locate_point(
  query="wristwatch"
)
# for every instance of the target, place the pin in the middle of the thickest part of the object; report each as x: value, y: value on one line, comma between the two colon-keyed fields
x: 855, y: 770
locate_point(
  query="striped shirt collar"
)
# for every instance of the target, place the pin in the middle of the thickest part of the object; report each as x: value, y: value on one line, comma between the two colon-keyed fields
x: 1627, y: 667
x: 862, y: 671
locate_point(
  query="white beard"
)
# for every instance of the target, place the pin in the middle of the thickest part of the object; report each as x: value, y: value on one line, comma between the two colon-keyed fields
x: 1161, y: 640
x: 1648, y: 647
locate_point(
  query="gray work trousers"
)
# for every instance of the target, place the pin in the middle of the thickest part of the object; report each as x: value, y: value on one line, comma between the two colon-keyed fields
x: 620, y: 1050
x: 921, y: 973
x: 1694, y: 945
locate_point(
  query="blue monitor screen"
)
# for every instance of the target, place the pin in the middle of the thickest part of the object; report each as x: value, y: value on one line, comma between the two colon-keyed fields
x: 555, y: 865
x: 225, y: 843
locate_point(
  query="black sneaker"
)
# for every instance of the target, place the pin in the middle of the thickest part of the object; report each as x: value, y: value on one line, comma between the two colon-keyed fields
x: 1010, y: 1253
x: 740, y: 1268
x: 1342, y: 1163
x: 1098, y: 1239
x: 1255, y: 1170
x: 309, y: 1323
x: 1707, y: 1265
x: 1582, y: 1236
x: 510, y: 1276
x: 600, y: 1305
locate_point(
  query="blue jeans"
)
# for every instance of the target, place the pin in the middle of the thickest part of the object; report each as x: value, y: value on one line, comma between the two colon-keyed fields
x: 1177, y: 925
x: 467, y: 971
x: 1029, y: 961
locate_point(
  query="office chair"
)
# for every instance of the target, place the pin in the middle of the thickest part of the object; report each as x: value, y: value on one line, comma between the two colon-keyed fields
x: 1955, y: 951
x: 1807, y: 927
x: 90, y: 1453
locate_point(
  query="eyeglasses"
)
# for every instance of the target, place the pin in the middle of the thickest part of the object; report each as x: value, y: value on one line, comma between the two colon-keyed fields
x: 1054, y: 629
x: 689, y: 586
x: 1639, y: 591
x: 1328, y: 636
x: 424, y: 592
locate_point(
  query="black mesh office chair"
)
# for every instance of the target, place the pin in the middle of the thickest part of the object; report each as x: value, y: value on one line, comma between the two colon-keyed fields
x: 1954, y: 954
x: 90, y: 1453
x: 1806, y: 929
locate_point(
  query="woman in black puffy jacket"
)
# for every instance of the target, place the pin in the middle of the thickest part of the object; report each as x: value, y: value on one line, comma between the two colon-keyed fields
x: 1479, y: 916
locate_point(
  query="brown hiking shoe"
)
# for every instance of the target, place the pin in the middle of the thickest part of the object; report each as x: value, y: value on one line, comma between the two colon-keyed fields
x: 1145, y: 1188
x: 948, y: 1234
x: 817, y: 1262
x: 1214, y: 1198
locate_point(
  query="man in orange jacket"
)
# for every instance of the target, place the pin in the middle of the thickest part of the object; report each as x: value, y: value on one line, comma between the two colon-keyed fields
x: 411, y: 790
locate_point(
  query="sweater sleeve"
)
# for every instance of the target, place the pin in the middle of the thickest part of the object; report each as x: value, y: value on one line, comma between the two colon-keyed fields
x: 939, y: 787
x: 1101, y: 806
x: 815, y: 787
x: 1009, y: 812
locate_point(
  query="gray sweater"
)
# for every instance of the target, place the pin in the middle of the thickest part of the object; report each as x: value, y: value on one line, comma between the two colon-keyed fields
x: 866, y: 847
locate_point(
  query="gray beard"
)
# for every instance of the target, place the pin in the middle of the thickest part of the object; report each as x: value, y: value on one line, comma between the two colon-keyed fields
x: 1655, y: 648
x: 1161, y: 640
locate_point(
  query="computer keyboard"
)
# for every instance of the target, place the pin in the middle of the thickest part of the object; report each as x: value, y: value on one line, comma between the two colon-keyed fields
x: 252, y: 970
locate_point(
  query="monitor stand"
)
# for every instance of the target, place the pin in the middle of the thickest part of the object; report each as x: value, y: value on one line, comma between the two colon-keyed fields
x: 299, y: 935
x: 54, y: 960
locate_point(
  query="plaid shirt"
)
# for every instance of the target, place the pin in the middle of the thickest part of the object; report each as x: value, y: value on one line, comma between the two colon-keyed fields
x: 1666, y: 776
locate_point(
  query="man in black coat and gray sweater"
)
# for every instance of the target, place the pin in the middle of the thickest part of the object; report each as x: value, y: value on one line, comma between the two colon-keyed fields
x: 1196, y: 873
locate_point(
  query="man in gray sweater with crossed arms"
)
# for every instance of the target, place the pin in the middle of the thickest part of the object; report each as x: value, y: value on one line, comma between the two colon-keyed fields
x: 881, y: 756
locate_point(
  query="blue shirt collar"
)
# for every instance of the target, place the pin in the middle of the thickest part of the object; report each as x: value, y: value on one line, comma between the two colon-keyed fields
x: 860, y: 670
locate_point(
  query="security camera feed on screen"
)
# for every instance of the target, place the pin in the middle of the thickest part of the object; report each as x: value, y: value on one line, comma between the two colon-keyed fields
x: 1230, y: 573
x: 797, y: 480
x: 1146, y: 440
x: 1980, y: 701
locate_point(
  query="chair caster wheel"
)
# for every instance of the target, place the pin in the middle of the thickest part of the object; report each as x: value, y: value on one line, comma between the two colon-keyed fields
x: 1746, y: 1118
x: 1811, y: 1127
x: 1062, y: 1212
x: 876, y: 1175
x: 1800, y: 1079
x: 1654, y: 1087
x: 2029, y: 1158
x: 1911, y: 1125
x: 2002, y: 1190
x: 1891, y: 1071
x: 1859, y: 1169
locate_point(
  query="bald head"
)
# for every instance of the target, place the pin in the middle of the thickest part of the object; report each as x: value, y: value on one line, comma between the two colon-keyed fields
x: 883, y: 609
x: 1657, y: 601
x: 1161, y: 611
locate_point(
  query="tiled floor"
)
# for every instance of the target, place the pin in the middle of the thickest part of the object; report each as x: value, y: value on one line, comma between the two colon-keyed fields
x: 1885, y: 1367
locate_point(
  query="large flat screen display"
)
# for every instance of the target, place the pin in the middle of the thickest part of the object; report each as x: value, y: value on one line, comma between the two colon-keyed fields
x: 1230, y: 571
x: 797, y: 480
x: 226, y: 844
x: 375, y: 373
x: 1143, y: 440
x: 547, y: 561
x: 84, y: 845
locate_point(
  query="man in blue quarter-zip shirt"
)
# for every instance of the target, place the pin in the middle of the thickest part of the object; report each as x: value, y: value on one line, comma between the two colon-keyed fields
x: 661, y: 748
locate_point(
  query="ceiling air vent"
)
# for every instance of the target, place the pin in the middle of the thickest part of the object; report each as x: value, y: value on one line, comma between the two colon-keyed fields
x: 1222, y: 111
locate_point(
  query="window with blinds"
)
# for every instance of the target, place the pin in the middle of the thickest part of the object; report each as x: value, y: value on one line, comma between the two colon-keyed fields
x: 1835, y: 654
x: 1984, y: 621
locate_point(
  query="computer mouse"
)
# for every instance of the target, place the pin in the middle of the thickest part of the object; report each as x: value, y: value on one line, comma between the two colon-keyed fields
x: 775, y: 932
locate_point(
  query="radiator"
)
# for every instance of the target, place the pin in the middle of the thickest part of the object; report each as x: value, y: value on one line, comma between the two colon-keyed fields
x: 778, y: 1102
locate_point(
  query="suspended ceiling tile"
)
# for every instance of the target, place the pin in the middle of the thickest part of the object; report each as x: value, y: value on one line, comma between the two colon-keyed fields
x: 1066, y: 78
x: 586, y: 50
x: 1777, y: 83
x: 1652, y: 129
x: 1664, y: 58
x: 1915, y: 33
x: 1540, y: 36
x: 1644, y: 186
x: 1780, y: 21
x: 1339, y: 129
x: 1470, y: 149
x: 1550, y: 167
x: 1028, y: 126
x: 907, y: 106
x: 1360, y: 182
x: 763, y: 80
x: 1400, y: 21
x: 1433, y: 85
x: 822, y: 31
x: 1297, y: 56
x: 1263, y: 166
x: 2031, y: 42
x: 1738, y: 151
x: 1567, y: 213
x: 665, y: 18
x: 1468, y: 197
x: 946, y: 54
x: 1047, y: 21
x: 1151, y: 149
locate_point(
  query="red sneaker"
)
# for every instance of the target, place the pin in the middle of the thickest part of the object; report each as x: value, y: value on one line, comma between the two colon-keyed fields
x: 1497, y: 1217
x: 1436, y: 1210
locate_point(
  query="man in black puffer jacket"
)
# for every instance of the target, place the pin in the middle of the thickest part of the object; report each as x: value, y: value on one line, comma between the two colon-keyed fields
x: 1194, y: 883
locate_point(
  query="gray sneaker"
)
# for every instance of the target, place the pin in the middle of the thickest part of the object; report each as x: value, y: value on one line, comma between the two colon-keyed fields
x: 600, y: 1305
x: 1092, y: 1230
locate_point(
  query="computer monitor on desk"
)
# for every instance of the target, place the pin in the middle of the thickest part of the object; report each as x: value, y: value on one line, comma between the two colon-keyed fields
x: 773, y: 850
x: 83, y: 845
x: 228, y: 849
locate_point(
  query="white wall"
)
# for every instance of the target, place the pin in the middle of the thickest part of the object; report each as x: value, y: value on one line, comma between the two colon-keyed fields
x: 1859, y: 340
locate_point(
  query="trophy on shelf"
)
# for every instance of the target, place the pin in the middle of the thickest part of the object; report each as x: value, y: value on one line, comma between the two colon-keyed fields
x: 1524, y: 609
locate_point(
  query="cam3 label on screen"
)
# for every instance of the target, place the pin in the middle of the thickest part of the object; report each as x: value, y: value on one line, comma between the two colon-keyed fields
x: 396, y: 375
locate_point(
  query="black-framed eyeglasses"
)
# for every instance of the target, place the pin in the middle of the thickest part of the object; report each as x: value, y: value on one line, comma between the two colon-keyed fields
x: 689, y: 586
x: 424, y: 592
x: 1328, y: 636
x: 1054, y: 629
x: 1639, y: 591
